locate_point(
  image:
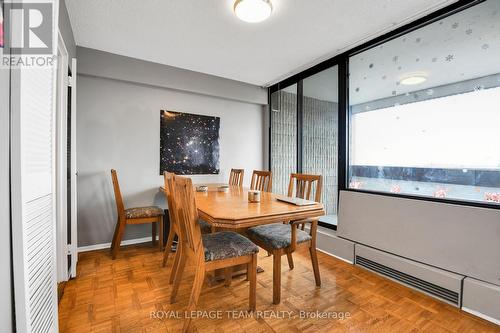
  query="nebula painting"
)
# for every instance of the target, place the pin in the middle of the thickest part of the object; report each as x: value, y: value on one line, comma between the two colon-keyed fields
x: 189, y: 143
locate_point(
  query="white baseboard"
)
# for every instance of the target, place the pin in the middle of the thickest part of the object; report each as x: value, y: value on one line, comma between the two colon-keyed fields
x: 333, y: 255
x: 108, y: 245
x: 329, y: 233
x: 481, y: 315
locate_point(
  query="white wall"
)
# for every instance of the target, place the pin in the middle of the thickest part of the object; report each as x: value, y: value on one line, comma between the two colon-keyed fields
x: 118, y: 126
x: 461, y: 239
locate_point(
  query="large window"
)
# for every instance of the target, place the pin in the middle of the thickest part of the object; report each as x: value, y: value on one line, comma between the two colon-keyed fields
x: 304, y: 138
x: 425, y: 110
x: 283, y: 137
x: 414, y: 113
x: 319, y: 135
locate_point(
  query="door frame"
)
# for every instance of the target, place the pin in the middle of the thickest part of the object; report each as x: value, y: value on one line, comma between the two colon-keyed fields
x: 73, y: 248
x: 61, y: 160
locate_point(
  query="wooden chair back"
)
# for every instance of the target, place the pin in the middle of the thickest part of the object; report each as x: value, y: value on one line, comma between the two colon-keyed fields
x: 120, y: 208
x: 187, y: 214
x: 169, y: 178
x: 304, y: 186
x: 236, y: 177
x: 262, y: 181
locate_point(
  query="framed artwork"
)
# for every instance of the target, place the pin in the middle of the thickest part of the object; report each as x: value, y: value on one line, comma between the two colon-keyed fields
x: 189, y: 143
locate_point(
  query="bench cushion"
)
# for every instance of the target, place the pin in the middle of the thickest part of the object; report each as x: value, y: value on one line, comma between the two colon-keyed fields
x: 227, y: 244
x: 277, y: 235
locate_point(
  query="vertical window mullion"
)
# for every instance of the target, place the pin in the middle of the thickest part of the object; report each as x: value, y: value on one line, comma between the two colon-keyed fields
x: 299, y: 124
x: 343, y: 129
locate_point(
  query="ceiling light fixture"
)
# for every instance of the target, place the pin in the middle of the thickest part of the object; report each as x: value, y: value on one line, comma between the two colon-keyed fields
x: 253, y: 11
x: 413, y: 79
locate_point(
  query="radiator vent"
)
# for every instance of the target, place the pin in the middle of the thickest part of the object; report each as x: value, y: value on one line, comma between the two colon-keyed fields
x: 427, y: 287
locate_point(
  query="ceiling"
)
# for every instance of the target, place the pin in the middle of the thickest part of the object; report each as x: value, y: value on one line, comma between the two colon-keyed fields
x: 206, y: 36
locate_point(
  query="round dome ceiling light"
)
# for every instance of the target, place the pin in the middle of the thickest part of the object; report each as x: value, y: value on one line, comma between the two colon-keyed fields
x: 413, y: 79
x: 253, y: 11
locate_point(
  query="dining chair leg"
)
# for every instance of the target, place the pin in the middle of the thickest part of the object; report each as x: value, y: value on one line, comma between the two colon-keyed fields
x: 175, y: 266
x: 314, y: 260
x: 277, y: 276
x: 160, y: 231
x: 290, y: 260
x: 168, y: 247
x: 177, y: 278
x: 119, y: 234
x: 115, y: 233
x: 228, y: 276
x: 195, y: 293
x: 153, y: 233
x: 252, y: 277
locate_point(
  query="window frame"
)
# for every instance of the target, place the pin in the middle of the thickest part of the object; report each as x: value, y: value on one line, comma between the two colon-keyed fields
x: 342, y: 61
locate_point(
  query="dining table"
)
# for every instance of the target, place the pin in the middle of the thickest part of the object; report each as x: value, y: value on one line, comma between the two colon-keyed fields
x: 231, y: 210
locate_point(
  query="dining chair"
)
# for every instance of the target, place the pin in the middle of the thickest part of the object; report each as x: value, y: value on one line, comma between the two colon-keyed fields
x: 224, y: 249
x: 136, y: 215
x: 174, y: 229
x: 236, y: 177
x: 285, y: 238
x: 262, y: 181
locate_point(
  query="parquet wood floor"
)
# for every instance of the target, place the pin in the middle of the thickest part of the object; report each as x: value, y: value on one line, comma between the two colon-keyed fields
x: 120, y: 295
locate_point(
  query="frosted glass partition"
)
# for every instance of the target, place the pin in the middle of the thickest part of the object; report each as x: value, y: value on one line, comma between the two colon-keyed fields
x: 283, y: 137
x: 320, y: 134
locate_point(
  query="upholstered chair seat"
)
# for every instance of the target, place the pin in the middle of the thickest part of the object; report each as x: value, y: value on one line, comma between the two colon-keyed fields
x: 143, y: 212
x: 227, y: 244
x: 277, y: 235
x: 205, y: 227
x: 137, y: 215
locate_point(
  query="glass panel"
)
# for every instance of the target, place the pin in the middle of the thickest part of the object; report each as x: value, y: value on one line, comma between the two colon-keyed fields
x: 283, y: 137
x: 319, y: 135
x: 424, y: 110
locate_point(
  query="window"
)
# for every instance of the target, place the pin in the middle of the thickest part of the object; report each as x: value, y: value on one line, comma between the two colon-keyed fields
x: 304, y: 135
x: 319, y: 135
x: 283, y: 137
x: 424, y: 110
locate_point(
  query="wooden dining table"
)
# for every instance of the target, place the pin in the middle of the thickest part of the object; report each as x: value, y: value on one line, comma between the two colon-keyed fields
x: 232, y: 211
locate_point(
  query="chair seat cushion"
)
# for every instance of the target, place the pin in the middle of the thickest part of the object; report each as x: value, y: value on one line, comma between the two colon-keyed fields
x: 143, y: 212
x: 227, y: 244
x: 206, y: 228
x: 277, y: 235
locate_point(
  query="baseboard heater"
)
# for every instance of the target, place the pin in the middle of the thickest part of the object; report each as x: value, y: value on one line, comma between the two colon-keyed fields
x: 432, y: 281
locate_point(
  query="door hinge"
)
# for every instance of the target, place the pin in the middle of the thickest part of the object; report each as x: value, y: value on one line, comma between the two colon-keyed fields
x: 70, y: 81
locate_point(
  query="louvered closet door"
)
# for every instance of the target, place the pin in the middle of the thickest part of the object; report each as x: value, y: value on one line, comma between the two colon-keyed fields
x: 33, y: 220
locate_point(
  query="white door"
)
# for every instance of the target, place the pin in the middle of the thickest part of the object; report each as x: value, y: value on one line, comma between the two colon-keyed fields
x: 33, y: 193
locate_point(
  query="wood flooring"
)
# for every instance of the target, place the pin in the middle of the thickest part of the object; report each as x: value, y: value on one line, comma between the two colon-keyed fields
x: 131, y: 294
